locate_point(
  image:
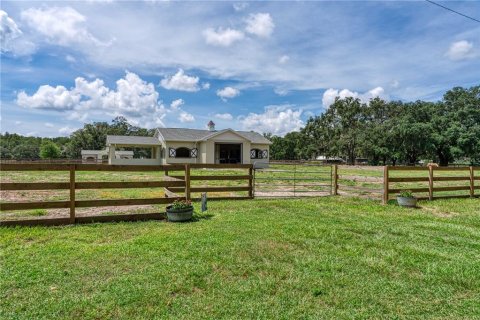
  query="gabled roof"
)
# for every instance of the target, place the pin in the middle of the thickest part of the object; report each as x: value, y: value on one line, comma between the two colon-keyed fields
x: 189, y: 135
x: 133, y: 140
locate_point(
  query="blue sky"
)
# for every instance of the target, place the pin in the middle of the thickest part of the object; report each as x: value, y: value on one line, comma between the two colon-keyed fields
x: 263, y: 66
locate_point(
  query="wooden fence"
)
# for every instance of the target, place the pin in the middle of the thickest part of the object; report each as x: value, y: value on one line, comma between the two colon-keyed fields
x: 223, y: 172
x: 171, y: 183
x: 429, y: 179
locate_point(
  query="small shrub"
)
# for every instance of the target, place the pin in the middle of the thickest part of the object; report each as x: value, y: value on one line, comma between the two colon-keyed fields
x: 181, y: 204
x: 406, y: 194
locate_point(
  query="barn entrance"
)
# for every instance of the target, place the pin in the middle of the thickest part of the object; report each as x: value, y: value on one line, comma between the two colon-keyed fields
x: 228, y: 153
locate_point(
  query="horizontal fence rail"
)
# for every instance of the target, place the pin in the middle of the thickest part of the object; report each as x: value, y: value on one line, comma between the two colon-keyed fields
x: 225, y: 191
x: 428, y: 185
x: 174, y: 184
x: 72, y: 203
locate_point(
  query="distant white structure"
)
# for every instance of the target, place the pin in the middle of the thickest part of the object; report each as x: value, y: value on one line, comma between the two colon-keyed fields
x: 100, y: 155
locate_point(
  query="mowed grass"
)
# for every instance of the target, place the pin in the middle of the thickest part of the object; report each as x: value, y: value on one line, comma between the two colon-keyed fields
x: 315, y: 258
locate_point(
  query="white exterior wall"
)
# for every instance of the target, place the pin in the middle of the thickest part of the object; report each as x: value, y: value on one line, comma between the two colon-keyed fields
x: 260, y: 147
x: 189, y: 145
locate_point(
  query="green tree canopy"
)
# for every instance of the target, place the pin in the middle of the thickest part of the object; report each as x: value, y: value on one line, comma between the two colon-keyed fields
x: 49, y: 150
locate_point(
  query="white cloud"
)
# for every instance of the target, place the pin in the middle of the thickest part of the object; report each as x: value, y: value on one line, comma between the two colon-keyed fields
x: 133, y: 97
x: 240, y: 6
x: 228, y: 93
x: 278, y: 120
x: 11, y: 37
x: 181, y: 82
x: 330, y: 94
x: 177, y: 104
x: 48, y: 97
x: 205, y: 86
x: 224, y: 116
x: 460, y: 50
x: 65, y: 131
x: 283, y: 59
x: 260, y: 24
x: 60, y: 25
x: 186, y: 117
x: 48, y: 125
x: 222, y: 37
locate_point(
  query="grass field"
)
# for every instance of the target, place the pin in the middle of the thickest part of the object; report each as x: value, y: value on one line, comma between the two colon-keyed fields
x: 315, y: 258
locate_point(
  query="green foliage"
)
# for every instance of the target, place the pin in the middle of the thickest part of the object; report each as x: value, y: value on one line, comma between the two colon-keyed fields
x: 181, y: 204
x: 390, y: 132
x: 406, y: 194
x: 26, y: 151
x: 93, y: 136
x: 49, y: 150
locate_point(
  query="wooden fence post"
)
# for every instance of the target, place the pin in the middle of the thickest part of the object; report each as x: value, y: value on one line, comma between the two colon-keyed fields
x: 335, y: 180
x: 430, y: 183
x: 250, y: 182
x: 187, y: 182
x: 165, y: 189
x: 385, y: 185
x: 72, y: 193
x: 472, y: 183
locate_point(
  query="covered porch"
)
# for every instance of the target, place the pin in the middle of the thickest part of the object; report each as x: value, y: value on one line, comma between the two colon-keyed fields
x: 150, y: 155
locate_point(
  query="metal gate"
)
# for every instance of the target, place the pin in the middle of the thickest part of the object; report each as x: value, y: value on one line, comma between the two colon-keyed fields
x: 292, y: 179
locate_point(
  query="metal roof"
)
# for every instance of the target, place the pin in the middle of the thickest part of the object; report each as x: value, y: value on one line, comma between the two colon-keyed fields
x: 133, y: 140
x: 187, y: 135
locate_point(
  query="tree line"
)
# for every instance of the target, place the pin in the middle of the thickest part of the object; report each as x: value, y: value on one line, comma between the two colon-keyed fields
x: 92, y: 136
x: 390, y: 132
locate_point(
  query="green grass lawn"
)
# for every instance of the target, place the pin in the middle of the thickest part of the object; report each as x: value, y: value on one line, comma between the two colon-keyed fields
x: 316, y: 258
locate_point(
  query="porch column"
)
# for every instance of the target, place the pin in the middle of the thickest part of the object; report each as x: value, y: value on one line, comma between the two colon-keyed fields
x: 111, y: 154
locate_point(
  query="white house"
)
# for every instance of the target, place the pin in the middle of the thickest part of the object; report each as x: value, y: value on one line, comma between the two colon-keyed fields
x: 179, y: 145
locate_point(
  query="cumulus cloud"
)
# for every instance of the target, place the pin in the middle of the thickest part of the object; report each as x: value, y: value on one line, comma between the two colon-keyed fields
x: 181, y: 82
x: 133, y: 97
x: 278, y: 120
x: 49, y: 98
x: 461, y: 50
x: 11, y: 37
x: 260, y: 24
x: 186, y: 117
x: 330, y: 94
x: 177, y: 104
x: 228, y: 93
x: 222, y: 37
x: 224, y: 116
x: 60, y: 25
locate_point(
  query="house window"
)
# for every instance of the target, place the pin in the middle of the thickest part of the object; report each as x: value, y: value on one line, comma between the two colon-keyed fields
x: 255, y: 154
x: 182, y: 152
x: 265, y: 154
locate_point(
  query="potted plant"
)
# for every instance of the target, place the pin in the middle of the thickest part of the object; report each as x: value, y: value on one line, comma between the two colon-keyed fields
x: 180, y: 210
x: 406, y: 199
